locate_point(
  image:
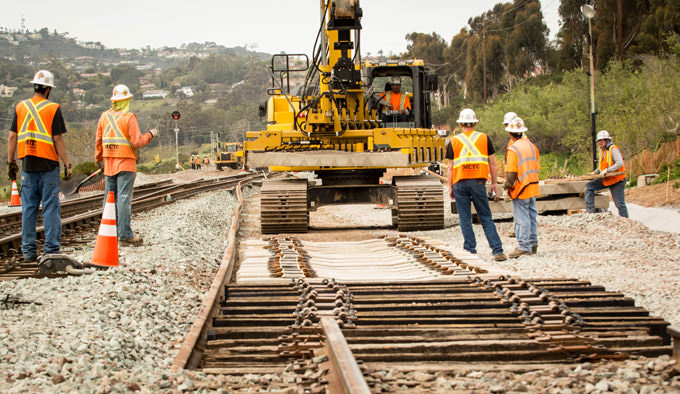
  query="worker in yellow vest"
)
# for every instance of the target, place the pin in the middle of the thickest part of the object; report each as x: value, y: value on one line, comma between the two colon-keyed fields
x: 611, y: 161
x: 116, y: 144
x: 521, y: 182
x: 35, y: 137
x: 471, y: 161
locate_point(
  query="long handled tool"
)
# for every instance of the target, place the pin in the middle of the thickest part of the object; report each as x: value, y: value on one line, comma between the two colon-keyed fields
x: 70, y: 194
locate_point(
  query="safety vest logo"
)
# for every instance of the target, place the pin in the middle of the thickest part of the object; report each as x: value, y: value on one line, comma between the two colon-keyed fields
x: 470, y: 157
x: 113, y: 137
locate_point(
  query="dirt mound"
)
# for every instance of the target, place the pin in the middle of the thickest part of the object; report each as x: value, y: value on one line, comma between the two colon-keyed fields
x: 654, y: 195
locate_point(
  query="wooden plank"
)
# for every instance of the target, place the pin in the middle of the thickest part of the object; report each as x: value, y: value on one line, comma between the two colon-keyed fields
x: 562, y: 204
x: 588, y: 177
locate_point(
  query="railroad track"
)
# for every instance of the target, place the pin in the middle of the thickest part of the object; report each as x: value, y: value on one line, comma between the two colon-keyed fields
x: 82, y: 217
x: 339, y: 314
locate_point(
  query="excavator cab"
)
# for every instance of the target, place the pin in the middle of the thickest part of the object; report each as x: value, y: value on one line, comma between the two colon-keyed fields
x: 416, y: 81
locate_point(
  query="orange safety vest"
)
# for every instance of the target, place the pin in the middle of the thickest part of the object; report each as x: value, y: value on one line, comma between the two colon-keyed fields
x: 606, y: 161
x: 526, y: 185
x: 197, y: 160
x: 397, y: 100
x: 470, y: 156
x: 116, y: 137
x: 34, y: 121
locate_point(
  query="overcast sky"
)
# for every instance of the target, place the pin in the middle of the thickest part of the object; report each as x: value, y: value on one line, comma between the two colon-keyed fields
x: 271, y: 26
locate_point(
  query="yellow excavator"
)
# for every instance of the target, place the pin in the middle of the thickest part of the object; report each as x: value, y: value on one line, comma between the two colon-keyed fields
x: 229, y: 155
x: 335, y: 124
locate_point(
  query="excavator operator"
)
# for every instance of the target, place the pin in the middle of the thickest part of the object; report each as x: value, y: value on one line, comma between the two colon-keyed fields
x: 398, y: 107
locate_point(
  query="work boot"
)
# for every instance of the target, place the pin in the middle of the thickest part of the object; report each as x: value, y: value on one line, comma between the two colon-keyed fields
x: 534, y: 249
x: 134, y: 241
x: 518, y: 253
x: 500, y: 257
x: 30, y: 259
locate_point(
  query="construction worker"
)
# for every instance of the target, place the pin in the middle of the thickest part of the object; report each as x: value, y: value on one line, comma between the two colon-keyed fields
x: 506, y: 120
x: 117, y: 141
x: 611, y: 161
x: 471, y: 161
x: 521, y: 182
x: 398, y: 103
x: 205, y: 161
x: 193, y: 166
x: 197, y: 162
x: 35, y: 136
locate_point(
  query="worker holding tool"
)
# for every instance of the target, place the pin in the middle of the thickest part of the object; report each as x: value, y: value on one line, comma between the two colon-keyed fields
x: 117, y: 141
x: 521, y: 182
x: 611, y: 161
x: 471, y: 153
x: 36, y: 137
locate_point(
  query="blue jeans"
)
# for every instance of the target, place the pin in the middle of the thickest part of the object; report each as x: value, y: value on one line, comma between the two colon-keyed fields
x: 617, y: 190
x: 474, y: 190
x: 526, y: 225
x: 122, y: 185
x: 36, y: 187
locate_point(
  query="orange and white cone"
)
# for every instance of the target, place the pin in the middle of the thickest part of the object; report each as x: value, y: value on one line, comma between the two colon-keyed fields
x: 106, y: 246
x: 15, y: 200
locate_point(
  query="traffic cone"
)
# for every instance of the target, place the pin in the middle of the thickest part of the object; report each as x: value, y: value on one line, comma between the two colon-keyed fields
x: 15, y: 200
x: 106, y: 246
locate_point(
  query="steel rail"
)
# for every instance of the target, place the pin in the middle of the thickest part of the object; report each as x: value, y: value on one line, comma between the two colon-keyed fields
x: 160, y: 195
x: 190, y: 353
x: 345, y: 367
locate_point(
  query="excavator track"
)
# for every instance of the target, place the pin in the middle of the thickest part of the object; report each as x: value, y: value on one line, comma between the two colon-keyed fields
x: 420, y: 202
x: 283, y: 206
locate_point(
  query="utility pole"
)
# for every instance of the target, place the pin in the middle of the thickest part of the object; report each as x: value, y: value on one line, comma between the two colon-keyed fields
x: 619, y: 28
x: 484, y: 53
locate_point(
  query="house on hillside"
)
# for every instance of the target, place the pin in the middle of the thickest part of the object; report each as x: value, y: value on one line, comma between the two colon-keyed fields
x: 184, y: 91
x: 7, y: 91
x: 155, y: 94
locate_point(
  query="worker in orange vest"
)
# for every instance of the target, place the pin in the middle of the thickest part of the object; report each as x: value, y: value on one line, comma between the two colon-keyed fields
x: 116, y: 144
x: 197, y: 162
x: 521, y: 182
x: 471, y: 161
x: 611, y: 161
x: 35, y: 136
x: 398, y: 103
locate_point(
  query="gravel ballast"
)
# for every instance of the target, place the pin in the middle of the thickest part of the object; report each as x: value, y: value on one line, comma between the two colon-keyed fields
x: 119, y: 330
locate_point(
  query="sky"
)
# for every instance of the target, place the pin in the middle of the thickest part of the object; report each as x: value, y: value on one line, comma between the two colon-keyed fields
x: 271, y: 26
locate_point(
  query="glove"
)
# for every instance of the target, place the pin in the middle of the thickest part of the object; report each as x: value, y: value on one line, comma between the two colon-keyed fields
x: 12, y: 169
x: 603, y: 172
x: 100, y: 165
x: 154, y: 133
x: 596, y: 172
x: 67, y: 172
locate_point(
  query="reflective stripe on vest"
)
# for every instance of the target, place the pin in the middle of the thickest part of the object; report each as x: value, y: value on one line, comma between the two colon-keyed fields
x: 115, y: 141
x: 606, y: 161
x: 388, y: 98
x: 526, y: 185
x: 37, y: 140
x: 469, y: 161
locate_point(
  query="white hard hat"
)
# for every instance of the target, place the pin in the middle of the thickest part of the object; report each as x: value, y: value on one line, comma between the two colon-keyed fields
x: 516, y: 125
x: 43, y: 77
x: 467, y: 116
x: 120, y: 93
x: 508, y: 117
x: 603, y: 135
x: 396, y: 81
